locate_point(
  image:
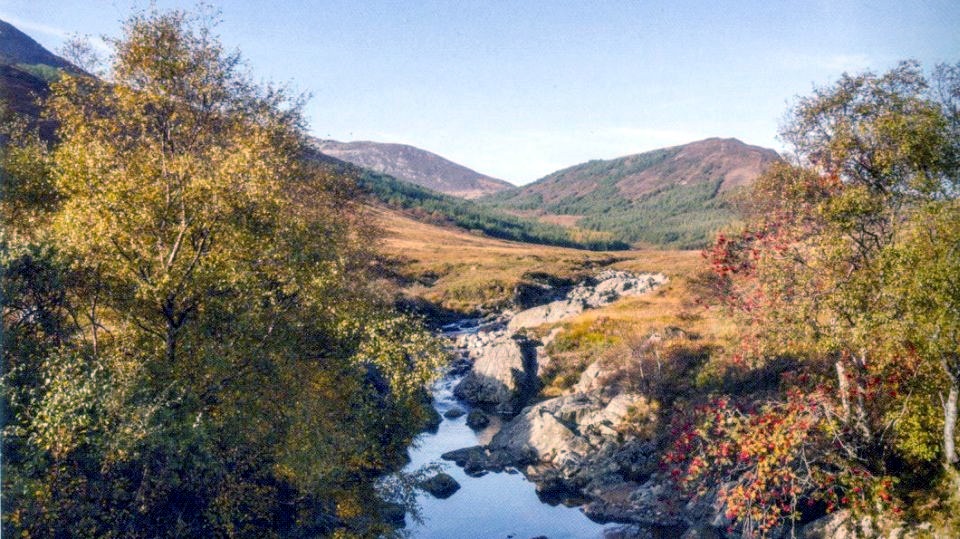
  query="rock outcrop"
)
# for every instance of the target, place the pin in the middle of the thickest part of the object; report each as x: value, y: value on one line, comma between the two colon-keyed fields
x: 477, y: 420
x: 580, y: 447
x: 506, y: 364
x: 454, y: 412
x: 503, y: 377
x: 605, y: 288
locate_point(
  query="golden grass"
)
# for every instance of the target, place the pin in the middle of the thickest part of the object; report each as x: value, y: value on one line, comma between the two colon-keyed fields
x: 609, y: 332
x: 463, y: 271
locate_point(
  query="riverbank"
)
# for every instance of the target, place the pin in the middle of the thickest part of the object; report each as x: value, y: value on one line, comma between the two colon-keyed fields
x: 513, y: 489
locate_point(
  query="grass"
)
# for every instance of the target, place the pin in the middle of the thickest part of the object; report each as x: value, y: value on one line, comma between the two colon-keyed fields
x: 616, y: 334
x: 467, y: 272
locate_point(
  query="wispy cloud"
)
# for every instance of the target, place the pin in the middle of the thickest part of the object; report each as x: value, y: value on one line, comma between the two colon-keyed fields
x: 34, y: 27
x: 59, y: 34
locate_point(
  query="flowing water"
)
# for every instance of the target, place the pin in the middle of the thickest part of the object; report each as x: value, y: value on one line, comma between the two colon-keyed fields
x: 496, y: 505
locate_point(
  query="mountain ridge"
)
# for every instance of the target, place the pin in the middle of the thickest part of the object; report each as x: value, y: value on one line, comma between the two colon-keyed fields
x: 16, y: 47
x: 415, y: 165
x: 671, y: 197
x: 674, y: 196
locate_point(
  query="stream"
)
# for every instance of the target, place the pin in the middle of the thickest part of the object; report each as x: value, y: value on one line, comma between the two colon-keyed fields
x: 495, y: 505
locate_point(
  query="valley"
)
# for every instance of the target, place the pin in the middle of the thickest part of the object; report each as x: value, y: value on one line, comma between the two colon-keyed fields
x: 551, y: 357
x: 216, y: 323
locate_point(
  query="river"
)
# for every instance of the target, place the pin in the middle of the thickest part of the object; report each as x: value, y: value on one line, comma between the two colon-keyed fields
x: 496, y: 505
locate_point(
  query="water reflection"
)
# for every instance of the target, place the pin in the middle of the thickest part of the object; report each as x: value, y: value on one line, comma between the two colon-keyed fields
x: 496, y: 505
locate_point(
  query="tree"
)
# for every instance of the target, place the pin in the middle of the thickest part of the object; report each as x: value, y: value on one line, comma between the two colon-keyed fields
x: 843, y: 265
x: 220, y: 366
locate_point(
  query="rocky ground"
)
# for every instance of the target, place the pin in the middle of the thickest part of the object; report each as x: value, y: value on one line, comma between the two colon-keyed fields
x: 584, y: 446
x: 576, y: 447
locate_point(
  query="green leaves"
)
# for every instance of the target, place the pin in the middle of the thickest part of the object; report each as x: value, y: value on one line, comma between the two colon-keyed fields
x: 849, y: 262
x: 200, y: 353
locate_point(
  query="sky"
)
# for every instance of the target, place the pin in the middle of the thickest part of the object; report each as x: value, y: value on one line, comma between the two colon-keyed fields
x: 519, y: 89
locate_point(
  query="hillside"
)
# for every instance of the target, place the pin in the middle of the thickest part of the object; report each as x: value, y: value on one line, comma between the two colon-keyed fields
x: 432, y: 207
x: 22, y: 86
x: 459, y: 271
x: 17, y: 48
x: 26, y: 69
x: 415, y: 166
x: 672, y: 196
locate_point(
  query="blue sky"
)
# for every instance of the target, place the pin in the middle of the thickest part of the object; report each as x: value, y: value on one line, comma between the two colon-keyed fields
x: 519, y: 89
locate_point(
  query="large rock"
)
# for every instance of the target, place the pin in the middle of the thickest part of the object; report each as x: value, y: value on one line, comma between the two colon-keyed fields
x: 540, y: 435
x: 653, y: 503
x: 567, y: 432
x: 441, y: 486
x: 454, y: 412
x: 609, y: 286
x: 503, y: 377
x: 590, y: 378
x: 554, y: 311
x: 477, y: 420
x: 527, y: 294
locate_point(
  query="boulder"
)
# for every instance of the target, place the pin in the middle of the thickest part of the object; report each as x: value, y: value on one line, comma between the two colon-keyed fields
x: 650, y: 504
x: 433, y: 420
x: 440, y: 486
x: 477, y: 420
x: 454, y: 412
x: 605, y: 288
x: 538, y: 434
x: 462, y: 456
x: 564, y: 431
x: 554, y: 311
x: 474, y: 460
x: 589, y: 378
x: 503, y: 377
x: 527, y: 294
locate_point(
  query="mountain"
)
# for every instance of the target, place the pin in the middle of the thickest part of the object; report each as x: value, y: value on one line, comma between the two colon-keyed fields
x: 428, y: 206
x: 26, y: 70
x: 415, y: 166
x: 674, y: 196
x: 17, y: 48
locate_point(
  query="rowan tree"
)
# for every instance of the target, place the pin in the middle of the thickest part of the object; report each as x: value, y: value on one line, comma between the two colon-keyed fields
x: 845, y: 263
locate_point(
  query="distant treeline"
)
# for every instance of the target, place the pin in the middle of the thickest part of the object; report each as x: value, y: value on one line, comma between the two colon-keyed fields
x: 440, y: 208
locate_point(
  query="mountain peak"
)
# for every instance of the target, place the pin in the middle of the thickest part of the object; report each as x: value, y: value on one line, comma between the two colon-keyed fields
x: 671, y: 196
x: 414, y: 165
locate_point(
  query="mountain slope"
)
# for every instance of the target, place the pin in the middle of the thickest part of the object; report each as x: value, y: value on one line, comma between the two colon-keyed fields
x: 415, y: 166
x: 26, y: 70
x: 672, y: 196
x: 19, y: 48
x: 429, y: 206
x: 22, y: 91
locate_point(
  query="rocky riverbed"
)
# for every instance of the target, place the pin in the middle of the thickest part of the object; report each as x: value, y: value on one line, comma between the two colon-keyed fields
x: 578, y: 447
x: 575, y: 449
x: 525, y: 461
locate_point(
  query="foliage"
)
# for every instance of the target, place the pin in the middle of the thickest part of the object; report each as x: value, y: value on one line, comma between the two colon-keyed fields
x: 189, y: 346
x: 846, y: 265
x: 42, y: 71
x: 771, y: 461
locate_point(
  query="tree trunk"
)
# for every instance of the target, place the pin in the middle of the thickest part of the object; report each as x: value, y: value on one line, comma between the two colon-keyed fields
x: 844, y: 387
x: 950, y: 425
